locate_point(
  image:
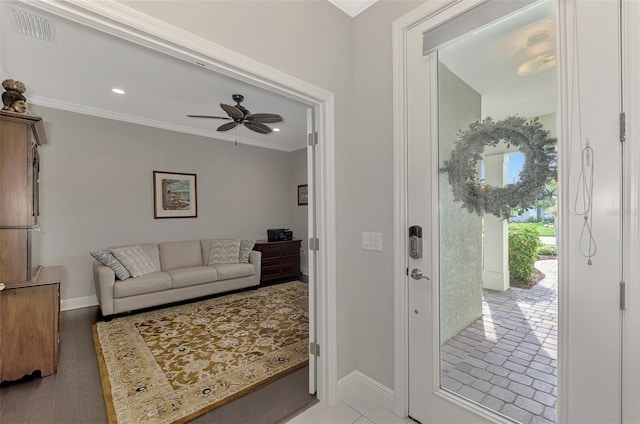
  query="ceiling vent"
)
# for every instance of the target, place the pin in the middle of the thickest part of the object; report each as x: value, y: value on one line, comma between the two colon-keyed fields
x: 33, y: 25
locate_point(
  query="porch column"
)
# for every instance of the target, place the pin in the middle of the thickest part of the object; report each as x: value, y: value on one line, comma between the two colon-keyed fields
x: 495, y: 266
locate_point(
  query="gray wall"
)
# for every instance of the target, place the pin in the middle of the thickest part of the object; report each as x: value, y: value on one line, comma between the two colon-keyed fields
x: 371, y: 292
x: 460, y: 231
x: 299, y: 214
x: 310, y: 40
x: 97, y: 189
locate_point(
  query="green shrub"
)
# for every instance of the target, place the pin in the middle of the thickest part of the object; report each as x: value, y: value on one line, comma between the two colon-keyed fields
x: 548, y: 249
x: 523, y: 245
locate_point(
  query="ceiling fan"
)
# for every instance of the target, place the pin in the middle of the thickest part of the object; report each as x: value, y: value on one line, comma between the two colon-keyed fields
x: 240, y: 115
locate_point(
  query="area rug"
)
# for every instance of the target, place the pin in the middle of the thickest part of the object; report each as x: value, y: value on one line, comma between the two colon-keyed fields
x: 173, y: 364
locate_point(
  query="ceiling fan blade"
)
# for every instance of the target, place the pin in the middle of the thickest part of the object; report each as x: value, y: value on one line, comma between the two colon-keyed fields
x: 265, y: 118
x: 257, y: 127
x: 227, y: 126
x: 232, y: 111
x: 207, y: 116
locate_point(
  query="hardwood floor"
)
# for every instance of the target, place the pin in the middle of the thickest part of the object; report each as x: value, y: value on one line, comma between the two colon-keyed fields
x: 74, y: 394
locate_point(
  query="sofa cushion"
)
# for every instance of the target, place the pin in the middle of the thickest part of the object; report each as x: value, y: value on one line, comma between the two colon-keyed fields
x: 224, y: 252
x: 135, y: 260
x: 190, y: 276
x: 148, y: 283
x: 246, y: 246
x: 206, y: 247
x: 105, y: 257
x: 180, y: 254
x: 228, y: 271
x: 151, y: 249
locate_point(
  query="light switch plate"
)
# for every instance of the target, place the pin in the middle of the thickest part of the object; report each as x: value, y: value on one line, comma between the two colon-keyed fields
x: 372, y: 241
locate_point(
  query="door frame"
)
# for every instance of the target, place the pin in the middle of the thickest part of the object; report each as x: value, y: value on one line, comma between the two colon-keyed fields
x: 124, y: 22
x: 441, y: 11
x: 631, y: 247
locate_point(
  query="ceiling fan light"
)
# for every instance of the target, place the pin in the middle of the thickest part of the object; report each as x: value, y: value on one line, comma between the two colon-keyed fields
x: 275, y: 129
x: 536, y: 57
x: 536, y: 64
x: 118, y: 90
x: 240, y: 115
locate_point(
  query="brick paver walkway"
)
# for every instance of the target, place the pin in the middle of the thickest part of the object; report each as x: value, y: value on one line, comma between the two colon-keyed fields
x: 507, y: 359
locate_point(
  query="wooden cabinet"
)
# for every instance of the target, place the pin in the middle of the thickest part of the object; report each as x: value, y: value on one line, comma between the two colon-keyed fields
x: 29, y: 325
x: 280, y: 260
x: 20, y: 136
x: 29, y: 293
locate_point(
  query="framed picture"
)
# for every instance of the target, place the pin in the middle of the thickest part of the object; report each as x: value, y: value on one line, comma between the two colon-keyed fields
x: 174, y: 195
x: 303, y: 195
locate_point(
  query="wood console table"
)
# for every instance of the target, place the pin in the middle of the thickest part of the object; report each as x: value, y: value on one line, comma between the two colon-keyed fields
x: 30, y: 324
x: 280, y: 260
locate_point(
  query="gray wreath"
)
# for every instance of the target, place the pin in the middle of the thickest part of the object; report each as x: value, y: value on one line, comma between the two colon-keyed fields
x: 539, y: 166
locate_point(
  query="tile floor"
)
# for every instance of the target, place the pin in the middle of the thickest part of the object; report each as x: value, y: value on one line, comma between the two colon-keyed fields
x: 505, y: 360
x: 354, y: 409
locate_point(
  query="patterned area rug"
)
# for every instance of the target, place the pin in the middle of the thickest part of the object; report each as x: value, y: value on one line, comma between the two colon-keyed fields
x: 173, y: 364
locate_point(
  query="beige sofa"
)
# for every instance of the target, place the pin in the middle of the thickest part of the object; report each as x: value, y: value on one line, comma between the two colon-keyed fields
x: 184, y: 274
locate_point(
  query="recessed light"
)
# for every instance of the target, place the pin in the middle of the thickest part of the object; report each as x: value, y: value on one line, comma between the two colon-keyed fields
x: 118, y: 90
x: 276, y: 129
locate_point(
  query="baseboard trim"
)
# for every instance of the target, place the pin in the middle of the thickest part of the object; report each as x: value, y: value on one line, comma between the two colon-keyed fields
x: 357, y: 382
x: 78, y: 302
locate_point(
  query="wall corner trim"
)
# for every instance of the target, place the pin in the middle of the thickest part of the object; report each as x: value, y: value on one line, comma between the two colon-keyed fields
x: 357, y: 382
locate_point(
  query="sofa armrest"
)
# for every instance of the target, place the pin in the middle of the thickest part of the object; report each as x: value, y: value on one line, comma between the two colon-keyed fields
x: 104, y: 279
x: 255, y: 258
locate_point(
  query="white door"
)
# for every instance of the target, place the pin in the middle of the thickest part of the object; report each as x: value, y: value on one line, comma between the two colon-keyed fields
x: 427, y: 402
x: 311, y: 249
x: 589, y: 319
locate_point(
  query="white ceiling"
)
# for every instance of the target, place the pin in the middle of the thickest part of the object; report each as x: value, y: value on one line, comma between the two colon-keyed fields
x: 77, y: 71
x: 487, y: 61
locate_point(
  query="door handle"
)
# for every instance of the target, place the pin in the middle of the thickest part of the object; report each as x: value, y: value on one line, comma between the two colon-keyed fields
x: 416, y: 274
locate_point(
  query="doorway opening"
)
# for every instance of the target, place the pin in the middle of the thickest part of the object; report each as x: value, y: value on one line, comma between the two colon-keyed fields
x: 139, y: 29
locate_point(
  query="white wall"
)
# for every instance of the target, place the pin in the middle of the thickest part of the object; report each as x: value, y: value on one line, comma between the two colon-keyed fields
x: 460, y: 257
x: 370, y: 293
x: 97, y: 190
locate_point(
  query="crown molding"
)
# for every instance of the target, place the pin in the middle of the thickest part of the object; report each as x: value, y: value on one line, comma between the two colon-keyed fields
x: 132, y: 119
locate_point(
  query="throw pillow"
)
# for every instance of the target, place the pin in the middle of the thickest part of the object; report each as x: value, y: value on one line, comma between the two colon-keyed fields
x: 246, y: 246
x: 107, y: 259
x: 224, y: 252
x: 135, y: 260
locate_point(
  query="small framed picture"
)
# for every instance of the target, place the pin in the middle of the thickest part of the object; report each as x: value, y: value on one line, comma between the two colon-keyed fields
x: 174, y: 195
x: 303, y: 195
